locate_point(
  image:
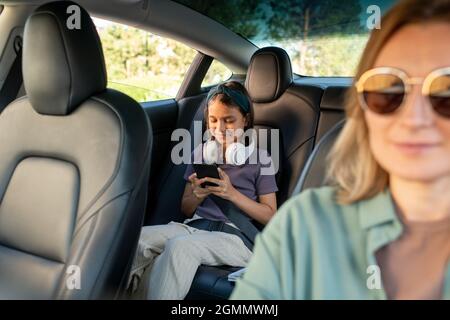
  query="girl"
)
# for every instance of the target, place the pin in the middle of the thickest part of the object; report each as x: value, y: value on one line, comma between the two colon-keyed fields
x: 168, y: 255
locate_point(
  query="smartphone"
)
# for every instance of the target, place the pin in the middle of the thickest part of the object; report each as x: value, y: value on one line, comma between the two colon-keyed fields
x: 206, y: 170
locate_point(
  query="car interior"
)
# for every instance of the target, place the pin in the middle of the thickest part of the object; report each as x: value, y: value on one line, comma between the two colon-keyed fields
x: 84, y: 166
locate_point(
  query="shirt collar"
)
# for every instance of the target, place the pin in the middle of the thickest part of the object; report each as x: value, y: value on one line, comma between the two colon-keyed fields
x: 377, y: 210
x: 378, y: 216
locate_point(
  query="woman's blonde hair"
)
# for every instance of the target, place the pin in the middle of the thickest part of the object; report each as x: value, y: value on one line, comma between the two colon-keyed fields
x: 353, y: 169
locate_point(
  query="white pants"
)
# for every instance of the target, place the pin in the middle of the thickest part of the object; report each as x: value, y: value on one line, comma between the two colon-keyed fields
x: 168, y: 256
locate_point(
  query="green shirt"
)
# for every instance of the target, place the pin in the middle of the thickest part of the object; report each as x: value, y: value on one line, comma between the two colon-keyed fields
x: 315, y: 248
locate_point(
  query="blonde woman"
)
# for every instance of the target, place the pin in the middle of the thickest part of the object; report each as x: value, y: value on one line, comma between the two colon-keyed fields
x: 382, y: 229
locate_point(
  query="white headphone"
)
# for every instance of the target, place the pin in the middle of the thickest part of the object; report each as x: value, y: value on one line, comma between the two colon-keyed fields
x: 236, y: 154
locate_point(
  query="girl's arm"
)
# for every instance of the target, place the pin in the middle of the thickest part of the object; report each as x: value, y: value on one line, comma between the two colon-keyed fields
x: 193, y: 195
x: 261, y: 211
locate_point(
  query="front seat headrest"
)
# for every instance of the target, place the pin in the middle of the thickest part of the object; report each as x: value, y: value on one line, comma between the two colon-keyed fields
x: 63, y: 61
x: 269, y: 74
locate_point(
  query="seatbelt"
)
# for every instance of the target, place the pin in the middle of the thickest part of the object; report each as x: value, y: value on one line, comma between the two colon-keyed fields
x: 236, y: 216
x: 215, y: 225
x: 14, y: 80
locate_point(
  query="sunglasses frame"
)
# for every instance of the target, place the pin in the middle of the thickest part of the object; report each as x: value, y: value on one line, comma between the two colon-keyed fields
x: 407, y: 81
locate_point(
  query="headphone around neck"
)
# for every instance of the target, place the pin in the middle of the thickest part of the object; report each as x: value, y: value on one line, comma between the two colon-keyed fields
x: 236, y: 153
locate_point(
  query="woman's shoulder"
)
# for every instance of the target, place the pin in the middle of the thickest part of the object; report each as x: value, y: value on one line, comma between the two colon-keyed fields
x: 322, y: 198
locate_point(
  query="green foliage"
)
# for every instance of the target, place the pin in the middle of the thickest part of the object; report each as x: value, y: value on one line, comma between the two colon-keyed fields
x: 143, y: 65
x: 148, y: 67
x: 323, y: 37
x: 241, y: 16
x: 330, y: 55
x: 302, y: 19
x: 217, y: 72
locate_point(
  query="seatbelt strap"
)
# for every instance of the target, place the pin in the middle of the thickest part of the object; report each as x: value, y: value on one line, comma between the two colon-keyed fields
x: 236, y: 216
x: 215, y: 225
x: 14, y: 80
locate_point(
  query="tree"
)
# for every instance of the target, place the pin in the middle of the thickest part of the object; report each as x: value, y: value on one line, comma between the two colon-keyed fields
x: 144, y: 65
x: 240, y: 16
x: 314, y: 26
x: 306, y: 20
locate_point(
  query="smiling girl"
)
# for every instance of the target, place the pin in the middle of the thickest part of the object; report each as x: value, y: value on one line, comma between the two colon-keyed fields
x: 168, y: 255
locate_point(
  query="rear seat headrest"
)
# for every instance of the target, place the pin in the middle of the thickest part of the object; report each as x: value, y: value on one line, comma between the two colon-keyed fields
x: 269, y: 74
x: 62, y: 66
x: 334, y: 98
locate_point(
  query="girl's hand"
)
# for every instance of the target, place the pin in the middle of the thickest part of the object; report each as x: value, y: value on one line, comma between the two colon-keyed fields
x: 224, y: 188
x: 199, y: 192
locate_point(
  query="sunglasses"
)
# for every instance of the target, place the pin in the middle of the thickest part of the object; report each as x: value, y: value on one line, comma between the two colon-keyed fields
x: 383, y: 90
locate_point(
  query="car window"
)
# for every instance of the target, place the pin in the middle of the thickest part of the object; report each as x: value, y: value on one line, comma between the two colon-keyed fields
x: 322, y: 37
x: 143, y: 65
x: 217, y: 73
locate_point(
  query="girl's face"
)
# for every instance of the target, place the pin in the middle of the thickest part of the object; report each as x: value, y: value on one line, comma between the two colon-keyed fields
x: 413, y: 143
x: 225, y: 123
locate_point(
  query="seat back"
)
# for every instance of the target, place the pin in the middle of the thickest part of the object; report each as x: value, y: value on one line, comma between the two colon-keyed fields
x: 332, y: 109
x: 74, y: 166
x: 332, y: 120
x: 314, y: 173
x: 165, y: 196
x: 290, y: 108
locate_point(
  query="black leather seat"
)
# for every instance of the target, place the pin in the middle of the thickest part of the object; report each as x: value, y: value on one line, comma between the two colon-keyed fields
x: 281, y: 104
x: 313, y: 175
x: 331, y: 122
x: 332, y: 109
x: 74, y: 166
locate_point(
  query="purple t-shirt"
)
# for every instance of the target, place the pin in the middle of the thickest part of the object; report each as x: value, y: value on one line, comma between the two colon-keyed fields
x: 246, y: 178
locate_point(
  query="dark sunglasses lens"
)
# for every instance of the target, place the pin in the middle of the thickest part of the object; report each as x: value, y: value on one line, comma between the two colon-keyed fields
x: 383, y: 93
x: 440, y: 95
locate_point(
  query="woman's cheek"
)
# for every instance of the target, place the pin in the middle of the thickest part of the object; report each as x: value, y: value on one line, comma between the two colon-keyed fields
x: 443, y: 126
x: 378, y: 128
